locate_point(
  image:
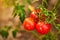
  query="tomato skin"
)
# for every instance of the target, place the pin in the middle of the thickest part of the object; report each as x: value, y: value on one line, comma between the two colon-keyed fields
x: 43, y: 28
x: 34, y: 16
x: 29, y: 24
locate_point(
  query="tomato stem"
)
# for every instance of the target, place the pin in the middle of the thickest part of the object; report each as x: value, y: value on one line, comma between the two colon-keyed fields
x: 56, y: 6
x: 35, y: 34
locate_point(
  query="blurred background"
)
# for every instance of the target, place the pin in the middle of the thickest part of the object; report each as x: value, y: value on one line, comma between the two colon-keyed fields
x: 7, y: 19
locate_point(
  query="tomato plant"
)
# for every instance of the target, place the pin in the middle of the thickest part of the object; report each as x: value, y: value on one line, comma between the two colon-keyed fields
x: 40, y: 18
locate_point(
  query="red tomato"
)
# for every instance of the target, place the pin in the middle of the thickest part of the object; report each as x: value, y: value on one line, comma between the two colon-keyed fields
x: 34, y: 15
x: 29, y: 24
x: 43, y: 28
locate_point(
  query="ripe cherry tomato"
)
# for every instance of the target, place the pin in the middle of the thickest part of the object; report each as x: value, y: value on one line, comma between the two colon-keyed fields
x: 43, y: 28
x: 34, y: 15
x: 29, y: 24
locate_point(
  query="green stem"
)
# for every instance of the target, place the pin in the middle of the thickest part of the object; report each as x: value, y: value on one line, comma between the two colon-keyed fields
x: 56, y: 6
x: 35, y: 34
x: 44, y: 3
x: 56, y: 26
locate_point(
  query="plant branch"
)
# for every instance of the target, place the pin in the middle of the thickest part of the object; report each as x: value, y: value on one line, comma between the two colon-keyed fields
x: 56, y: 6
x: 44, y: 3
x: 56, y: 26
x: 36, y: 35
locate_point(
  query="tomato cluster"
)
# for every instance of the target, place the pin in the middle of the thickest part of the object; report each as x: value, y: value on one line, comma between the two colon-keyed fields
x: 37, y: 21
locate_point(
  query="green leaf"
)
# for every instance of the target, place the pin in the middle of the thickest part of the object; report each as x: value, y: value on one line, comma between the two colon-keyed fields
x: 7, y: 28
x: 45, y: 11
x: 14, y: 32
x: 4, y: 33
x: 22, y: 15
x: 17, y: 9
